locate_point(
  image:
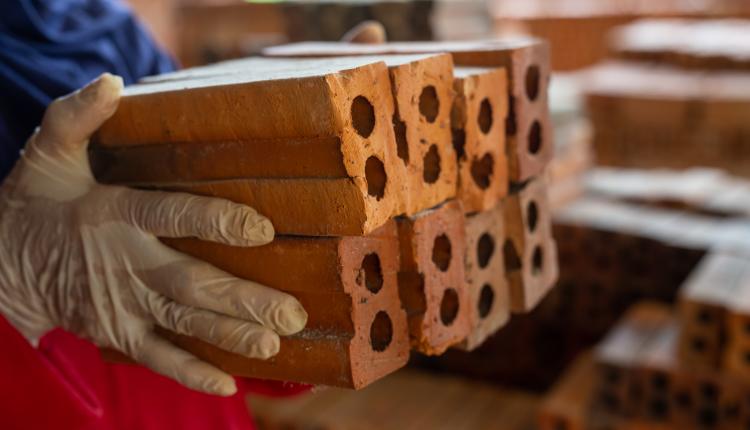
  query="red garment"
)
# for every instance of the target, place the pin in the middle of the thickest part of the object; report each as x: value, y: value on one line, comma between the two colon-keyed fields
x: 64, y: 384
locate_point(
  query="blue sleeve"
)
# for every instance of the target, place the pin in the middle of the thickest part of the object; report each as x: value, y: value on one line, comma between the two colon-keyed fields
x: 49, y: 48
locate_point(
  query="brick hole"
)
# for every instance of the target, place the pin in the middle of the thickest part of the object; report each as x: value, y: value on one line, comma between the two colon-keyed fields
x: 532, y: 215
x: 431, y: 165
x: 372, y: 272
x: 511, y: 127
x: 747, y: 328
x: 481, y: 171
x: 707, y: 417
x: 698, y: 344
x: 376, y: 177
x: 537, y: 260
x: 747, y: 357
x: 709, y: 391
x: 561, y: 425
x: 658, y: 408
x: 402, y: 146
x: 684, y: 400
x: 485, y: 249
x: 510, y: 255
x: 459, y: 143
x: 532, y: 82
x: 610, y: 401
x: 535, y: 138
x: 704, y: 317
x: 611, y: 375
x: 660, y: 381
x: 484, y: 119
x: 363, y: 116
x: 429, y: 103
x: 381, y: 332
x: 732, y: 411
x: 486, y: 299
x: 449, y: 306
x: 441, y: 252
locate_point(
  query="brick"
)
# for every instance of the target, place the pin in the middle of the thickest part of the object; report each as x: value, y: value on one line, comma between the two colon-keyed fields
x: 530, y: 251
x: 431, y: 279
x: 356, y: 331
x: 705, y: 302
x: 528, y: 130
x: 489, y: 300
x: 567, y: 405
x: 692, y: 44
x: 422, y: 87
x: 265, y: 133
x: 642, y: 115
x: 477, y: 124
x: 666, y: 390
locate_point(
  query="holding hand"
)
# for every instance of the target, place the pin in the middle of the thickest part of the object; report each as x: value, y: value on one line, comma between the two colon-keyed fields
x: 85, y: 256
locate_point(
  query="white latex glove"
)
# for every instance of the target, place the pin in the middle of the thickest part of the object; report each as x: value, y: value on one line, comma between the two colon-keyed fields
x: 85, y: 256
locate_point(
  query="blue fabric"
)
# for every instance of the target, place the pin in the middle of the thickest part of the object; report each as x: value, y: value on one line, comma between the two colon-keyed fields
x: 49, y: 48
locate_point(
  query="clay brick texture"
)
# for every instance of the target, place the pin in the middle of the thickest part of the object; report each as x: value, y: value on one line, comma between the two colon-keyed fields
x: 526, y: 60
x: 431, y: 279
x: 477, y: 126
x: 530, y: 251
x: 489, y: 301
x: 356, y: 331
x: 309, y: 144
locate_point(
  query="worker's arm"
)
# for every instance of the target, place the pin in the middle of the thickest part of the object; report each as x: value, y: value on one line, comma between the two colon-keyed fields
x: 85, y: 256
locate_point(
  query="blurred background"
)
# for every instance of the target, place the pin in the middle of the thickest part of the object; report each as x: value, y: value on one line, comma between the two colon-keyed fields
x: 650, y: 187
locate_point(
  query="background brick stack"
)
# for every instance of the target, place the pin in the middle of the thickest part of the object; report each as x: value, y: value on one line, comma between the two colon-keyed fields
x: 678, y: 96
x: 331, y: 150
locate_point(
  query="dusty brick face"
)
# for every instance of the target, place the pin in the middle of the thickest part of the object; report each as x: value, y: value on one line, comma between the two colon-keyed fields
x: 282, y: 128
x: 529, y: 137
x: 477, y: 126
x: 489, y: 301
x: 530, y: 251
x: 431, y: 278
x: 356, y: 331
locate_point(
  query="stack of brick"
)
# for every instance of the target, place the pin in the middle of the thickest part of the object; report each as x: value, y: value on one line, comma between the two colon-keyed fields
x: 691, y: 44
x: 387, y: 237
x: 499, y: 175
x: 636, y: 235
x: 680, y: 99
x: 660, y: 368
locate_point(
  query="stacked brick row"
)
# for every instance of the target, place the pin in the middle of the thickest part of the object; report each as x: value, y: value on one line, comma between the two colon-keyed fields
x: 684, y: 104
x: 698, y: 44
x: 389, y: 237
x: 665, y: 368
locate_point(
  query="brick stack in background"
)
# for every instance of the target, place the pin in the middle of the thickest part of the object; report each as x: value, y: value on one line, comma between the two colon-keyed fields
x: 388, y: 237
x: 672, y: 100
x: 661, y: 367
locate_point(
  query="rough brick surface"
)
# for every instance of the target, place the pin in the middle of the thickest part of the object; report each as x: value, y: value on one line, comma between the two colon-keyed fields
x: 529, y: 250
x: 356, y: 331
x: 489, y: 300
x: 284, y: 128
x: 477, y: 125
x: 431, y: 279
x: 528, y: 130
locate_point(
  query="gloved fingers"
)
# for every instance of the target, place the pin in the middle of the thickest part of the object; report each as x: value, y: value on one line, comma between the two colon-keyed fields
x: 195, y: 283
x: 165, y: 358
x: 230, y: 334
x: 70, y: 120
x: 171, y: 214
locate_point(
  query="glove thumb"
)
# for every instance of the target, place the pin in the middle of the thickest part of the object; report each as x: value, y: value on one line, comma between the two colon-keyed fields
x: 70, y: 120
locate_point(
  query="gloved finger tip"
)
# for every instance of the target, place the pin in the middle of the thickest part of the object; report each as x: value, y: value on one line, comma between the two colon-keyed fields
x: 291, y: 317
